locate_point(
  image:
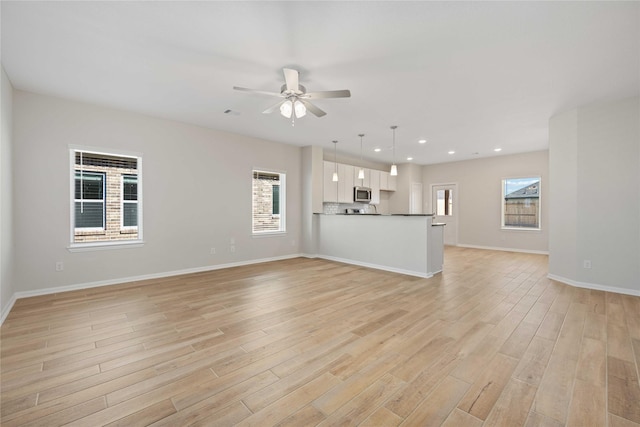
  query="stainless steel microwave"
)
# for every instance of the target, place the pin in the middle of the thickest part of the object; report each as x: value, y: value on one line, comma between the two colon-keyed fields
x: 361, y: 194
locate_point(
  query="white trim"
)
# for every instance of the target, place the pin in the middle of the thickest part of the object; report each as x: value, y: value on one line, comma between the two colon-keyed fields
x: 282, y: 193
x: 107, y: 152
x: 376, y: 266
x: 496, y: 248
x: 105, y: 245
x: 80, y: 286
x: 594, y: 286
x: 6, y: 309
x: 104, y: 151
x: 261, y: 234
x: 518, y: 229
x: 502, y: 205
x: 123, y: 201
x: 456, y: 190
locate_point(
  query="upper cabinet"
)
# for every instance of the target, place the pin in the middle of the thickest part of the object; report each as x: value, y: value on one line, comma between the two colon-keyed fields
x: 392, y: 183
x: 330, y: 189
x: 366, y: 182
x: 342, y: 191
x: 387, y: 182
x: 374, y: 179
x: 345, y: 183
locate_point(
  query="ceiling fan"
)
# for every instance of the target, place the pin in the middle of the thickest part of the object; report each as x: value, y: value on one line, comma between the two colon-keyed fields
x: 296, y: 98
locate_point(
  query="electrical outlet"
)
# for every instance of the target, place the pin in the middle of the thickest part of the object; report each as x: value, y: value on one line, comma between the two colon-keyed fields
x: 586, y: 263
x: 213, y: 251
x: 59, y: 266
x: 232, y: 248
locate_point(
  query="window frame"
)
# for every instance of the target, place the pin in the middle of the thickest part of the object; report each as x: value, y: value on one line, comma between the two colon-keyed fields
x: 123, y: 201
x: 275, y: 214
x: 503, y: 204
x: 103, y: 244
x: 282, y: 180
x: 82, y: 200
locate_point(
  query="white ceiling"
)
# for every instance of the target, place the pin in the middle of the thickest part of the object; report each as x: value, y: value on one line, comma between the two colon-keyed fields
x: 468, y: 77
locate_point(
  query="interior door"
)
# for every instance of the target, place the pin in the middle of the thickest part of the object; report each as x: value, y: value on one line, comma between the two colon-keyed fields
x: 444, y: 203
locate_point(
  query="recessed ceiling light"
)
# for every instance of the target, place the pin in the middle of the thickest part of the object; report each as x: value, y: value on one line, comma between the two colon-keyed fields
x: 452, y: 152
x: 409, y: 158
x: 377, y: 150
x: 422, y: 141
x: 497, y: 149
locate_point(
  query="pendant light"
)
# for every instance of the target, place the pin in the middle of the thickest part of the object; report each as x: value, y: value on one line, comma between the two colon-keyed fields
x: 361, y: 171
x: 394, y: 168
x: 335, y: 161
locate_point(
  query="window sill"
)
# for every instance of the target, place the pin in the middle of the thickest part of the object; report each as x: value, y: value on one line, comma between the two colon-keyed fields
x: 520, y: 229
x: 102, y: 246
x: 269, y: 234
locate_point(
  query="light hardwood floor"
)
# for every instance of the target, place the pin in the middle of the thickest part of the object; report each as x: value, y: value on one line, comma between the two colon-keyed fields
x: 301, y: 342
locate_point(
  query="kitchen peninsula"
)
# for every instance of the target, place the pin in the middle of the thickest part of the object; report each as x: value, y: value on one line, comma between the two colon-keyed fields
x: 407, y: 244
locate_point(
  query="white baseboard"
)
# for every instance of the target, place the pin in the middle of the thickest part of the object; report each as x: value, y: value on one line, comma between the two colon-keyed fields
x: 495, y: 248
x: 7, y: 308
x: 309, y: 255
x: 80, y: 286
x: 594, y: 286
x: 376, y: 266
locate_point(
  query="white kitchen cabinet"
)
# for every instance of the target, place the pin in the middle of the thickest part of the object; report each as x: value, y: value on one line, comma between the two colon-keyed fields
x: 361, y: 182
x: 392, y: 183
x: 345, y: 183
x: 330, y: 188
x: 384, y: 180
x: 374, y: 183
x: 387, y: 182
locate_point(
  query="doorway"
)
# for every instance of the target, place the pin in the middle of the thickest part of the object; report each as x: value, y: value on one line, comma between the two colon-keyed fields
x: 444, y: 199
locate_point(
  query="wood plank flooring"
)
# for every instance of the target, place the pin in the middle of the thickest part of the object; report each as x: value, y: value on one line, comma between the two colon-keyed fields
x: 302, y: 342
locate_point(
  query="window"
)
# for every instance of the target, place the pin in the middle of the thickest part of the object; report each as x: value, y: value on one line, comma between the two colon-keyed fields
x: 89, y: 200
x: 275, y: 199
x: 268, y: 202
x: 129, y: 201
x: 444, y: 205
x: 521, y: 203
x: 106, y: 198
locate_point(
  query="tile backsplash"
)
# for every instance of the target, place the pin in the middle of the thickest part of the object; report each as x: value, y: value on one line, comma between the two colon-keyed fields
x: 334, y: 208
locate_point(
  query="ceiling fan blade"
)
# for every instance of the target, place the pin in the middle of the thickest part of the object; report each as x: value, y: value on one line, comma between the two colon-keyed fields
x: 273, y: 107
x: 291, y: 79
x: 261, y: 92
x: 328, y: 94
x: 315, y: 110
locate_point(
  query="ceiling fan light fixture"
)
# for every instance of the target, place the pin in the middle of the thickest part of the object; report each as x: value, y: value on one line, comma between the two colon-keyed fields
x: 286, y: 108
x: 299, y: 108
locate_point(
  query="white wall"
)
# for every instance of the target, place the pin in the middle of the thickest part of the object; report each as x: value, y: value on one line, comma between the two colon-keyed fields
x: 6, y: 195
x: 595, y: 154
x: 400, y: 200
x: 196, y: 184
x: 480, y: 199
